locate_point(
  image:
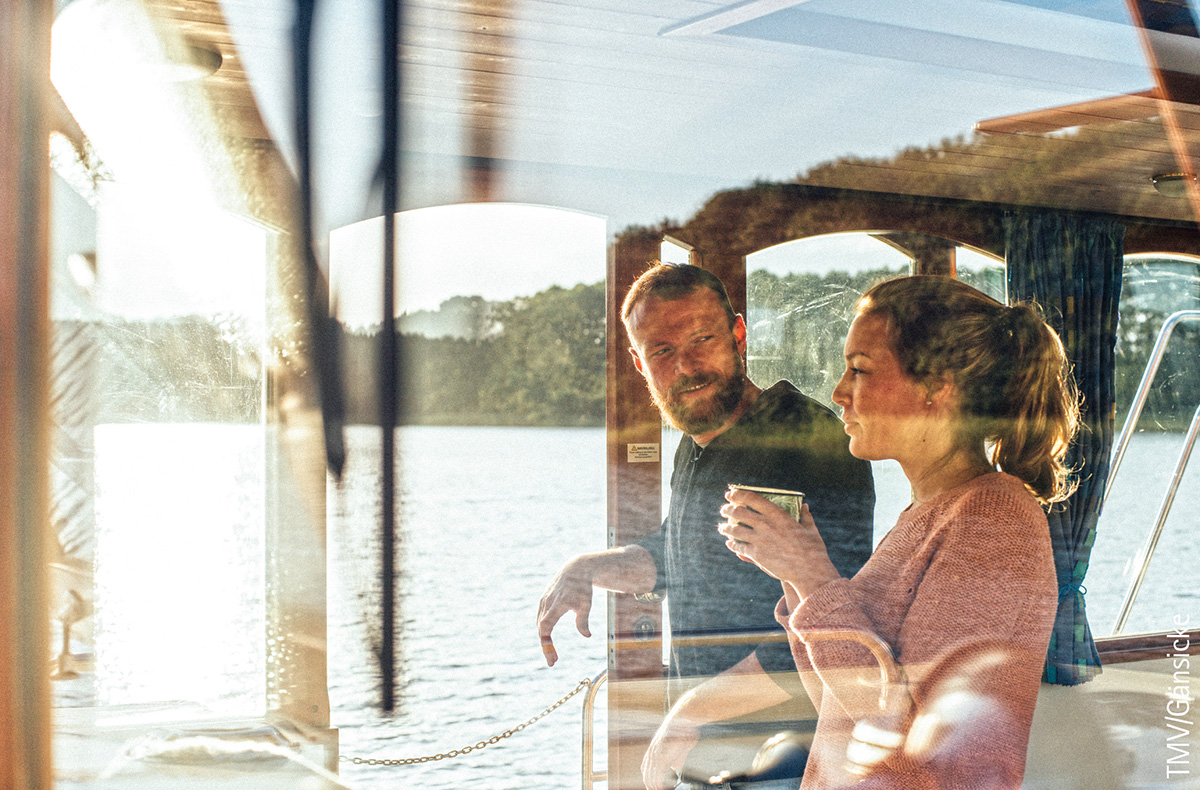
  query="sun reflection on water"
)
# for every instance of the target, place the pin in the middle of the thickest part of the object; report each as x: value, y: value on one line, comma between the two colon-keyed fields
x: 179, y: 566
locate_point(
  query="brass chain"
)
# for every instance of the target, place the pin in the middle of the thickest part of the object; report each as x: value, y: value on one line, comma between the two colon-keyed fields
x: 585, y: 683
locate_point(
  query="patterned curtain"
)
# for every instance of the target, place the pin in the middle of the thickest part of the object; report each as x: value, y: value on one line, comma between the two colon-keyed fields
x: 1071, y: 266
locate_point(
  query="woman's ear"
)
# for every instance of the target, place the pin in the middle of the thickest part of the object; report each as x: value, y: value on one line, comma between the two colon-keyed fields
x: 941, y: 393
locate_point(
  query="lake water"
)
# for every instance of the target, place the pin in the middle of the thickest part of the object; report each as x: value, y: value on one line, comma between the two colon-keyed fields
x: 512, y: 505
x: 487, y: 515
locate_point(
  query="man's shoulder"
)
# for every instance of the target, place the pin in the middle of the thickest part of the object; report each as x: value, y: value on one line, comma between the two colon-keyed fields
x: 785, y: 420
x: 783, y: 404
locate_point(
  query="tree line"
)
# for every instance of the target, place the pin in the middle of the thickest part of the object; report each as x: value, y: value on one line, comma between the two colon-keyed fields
x: 536, y: 360
x: 540, y: 360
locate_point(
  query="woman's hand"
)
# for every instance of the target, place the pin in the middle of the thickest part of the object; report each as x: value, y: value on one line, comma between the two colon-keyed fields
x: 761, y: 532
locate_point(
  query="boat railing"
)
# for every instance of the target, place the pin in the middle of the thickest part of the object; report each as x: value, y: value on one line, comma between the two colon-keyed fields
x: 1127, y: 431
x: 589, y: 772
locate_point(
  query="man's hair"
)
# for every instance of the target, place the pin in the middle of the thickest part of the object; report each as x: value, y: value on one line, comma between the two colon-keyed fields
x: 669, y: 281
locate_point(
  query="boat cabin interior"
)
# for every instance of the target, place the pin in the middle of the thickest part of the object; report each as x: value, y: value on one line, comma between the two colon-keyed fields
x: 225, y: 547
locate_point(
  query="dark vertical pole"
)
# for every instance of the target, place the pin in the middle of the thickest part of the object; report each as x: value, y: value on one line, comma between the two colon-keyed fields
x: 388, y: 363
x: 321, y: 325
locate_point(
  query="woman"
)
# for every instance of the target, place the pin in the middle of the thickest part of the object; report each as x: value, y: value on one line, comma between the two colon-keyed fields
x: 974, y: 401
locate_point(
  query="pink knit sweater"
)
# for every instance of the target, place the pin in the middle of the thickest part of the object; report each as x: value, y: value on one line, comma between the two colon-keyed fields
x: 972, y: 570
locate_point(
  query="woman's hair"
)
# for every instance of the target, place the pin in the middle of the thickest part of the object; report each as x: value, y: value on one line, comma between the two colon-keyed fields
x: 1016, y: 394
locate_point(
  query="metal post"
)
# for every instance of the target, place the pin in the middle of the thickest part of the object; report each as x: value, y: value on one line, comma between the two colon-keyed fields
x: 589, y: 773
x: 1163, y: 511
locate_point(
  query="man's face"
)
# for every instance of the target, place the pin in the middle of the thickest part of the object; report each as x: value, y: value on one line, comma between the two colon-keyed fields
x: 691, y: 359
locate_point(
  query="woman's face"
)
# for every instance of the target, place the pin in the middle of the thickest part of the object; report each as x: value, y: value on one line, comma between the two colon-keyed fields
x: 886, y: 412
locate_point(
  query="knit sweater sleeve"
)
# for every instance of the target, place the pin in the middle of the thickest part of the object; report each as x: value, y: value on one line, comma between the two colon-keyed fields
x: 975, y: 587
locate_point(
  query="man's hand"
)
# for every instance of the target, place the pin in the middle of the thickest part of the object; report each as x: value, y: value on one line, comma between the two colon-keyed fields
x: 668, y: 749
x: 571, y: 591
x: 628, y: 569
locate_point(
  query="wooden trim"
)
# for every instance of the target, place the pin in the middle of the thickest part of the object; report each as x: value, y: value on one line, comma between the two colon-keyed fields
x: 724, y: 227
x: 634, y: 511
x: 24, y: 386
x: 1125, y: 107
x: 1145, y: 647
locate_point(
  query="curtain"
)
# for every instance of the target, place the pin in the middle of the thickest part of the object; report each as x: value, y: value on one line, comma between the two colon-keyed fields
x: 1071, y: 266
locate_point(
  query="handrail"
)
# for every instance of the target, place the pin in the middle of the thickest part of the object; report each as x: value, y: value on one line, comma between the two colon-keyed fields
x: 590, y: 775
x: 1135, y: 412
x: 1152, y: 542
x: 1143, y: 391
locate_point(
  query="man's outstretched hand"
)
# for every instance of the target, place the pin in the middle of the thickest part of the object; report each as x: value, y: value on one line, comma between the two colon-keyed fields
x: 571, y: 591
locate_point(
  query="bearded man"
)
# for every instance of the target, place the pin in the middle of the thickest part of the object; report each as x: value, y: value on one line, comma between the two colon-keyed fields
x: 690, y: 345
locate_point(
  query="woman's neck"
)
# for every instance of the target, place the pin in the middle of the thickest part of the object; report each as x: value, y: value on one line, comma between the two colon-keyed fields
x: 946, y: 474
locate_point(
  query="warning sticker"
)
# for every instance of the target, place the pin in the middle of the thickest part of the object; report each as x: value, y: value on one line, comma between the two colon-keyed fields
x: 642, y: 453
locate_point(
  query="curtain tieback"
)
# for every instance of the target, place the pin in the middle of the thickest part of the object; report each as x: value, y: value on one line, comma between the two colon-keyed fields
x: 1075, y: 587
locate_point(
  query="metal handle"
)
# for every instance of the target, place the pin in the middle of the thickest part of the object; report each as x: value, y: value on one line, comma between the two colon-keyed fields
x: 1135, y: 413
x: 890, y: 675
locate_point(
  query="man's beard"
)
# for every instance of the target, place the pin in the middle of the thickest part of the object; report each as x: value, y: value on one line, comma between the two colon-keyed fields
x: 709, y: 413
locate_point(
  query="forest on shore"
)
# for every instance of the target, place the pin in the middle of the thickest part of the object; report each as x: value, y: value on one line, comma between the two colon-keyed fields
x: 540, y: 360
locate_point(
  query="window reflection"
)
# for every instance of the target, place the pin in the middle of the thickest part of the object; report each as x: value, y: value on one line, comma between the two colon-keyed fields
x: 174, y: 332
x: 800, y: 299
x: 160, y: 281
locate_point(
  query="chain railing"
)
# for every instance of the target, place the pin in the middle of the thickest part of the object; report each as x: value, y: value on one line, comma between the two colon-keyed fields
x: 583, y: 684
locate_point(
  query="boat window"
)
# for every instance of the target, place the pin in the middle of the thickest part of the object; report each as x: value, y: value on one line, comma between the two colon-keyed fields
x: 1154, y: 288
x: 159, y: 374
x: 980, y: 270
x: 178, y: 370
x: 800, y: 299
